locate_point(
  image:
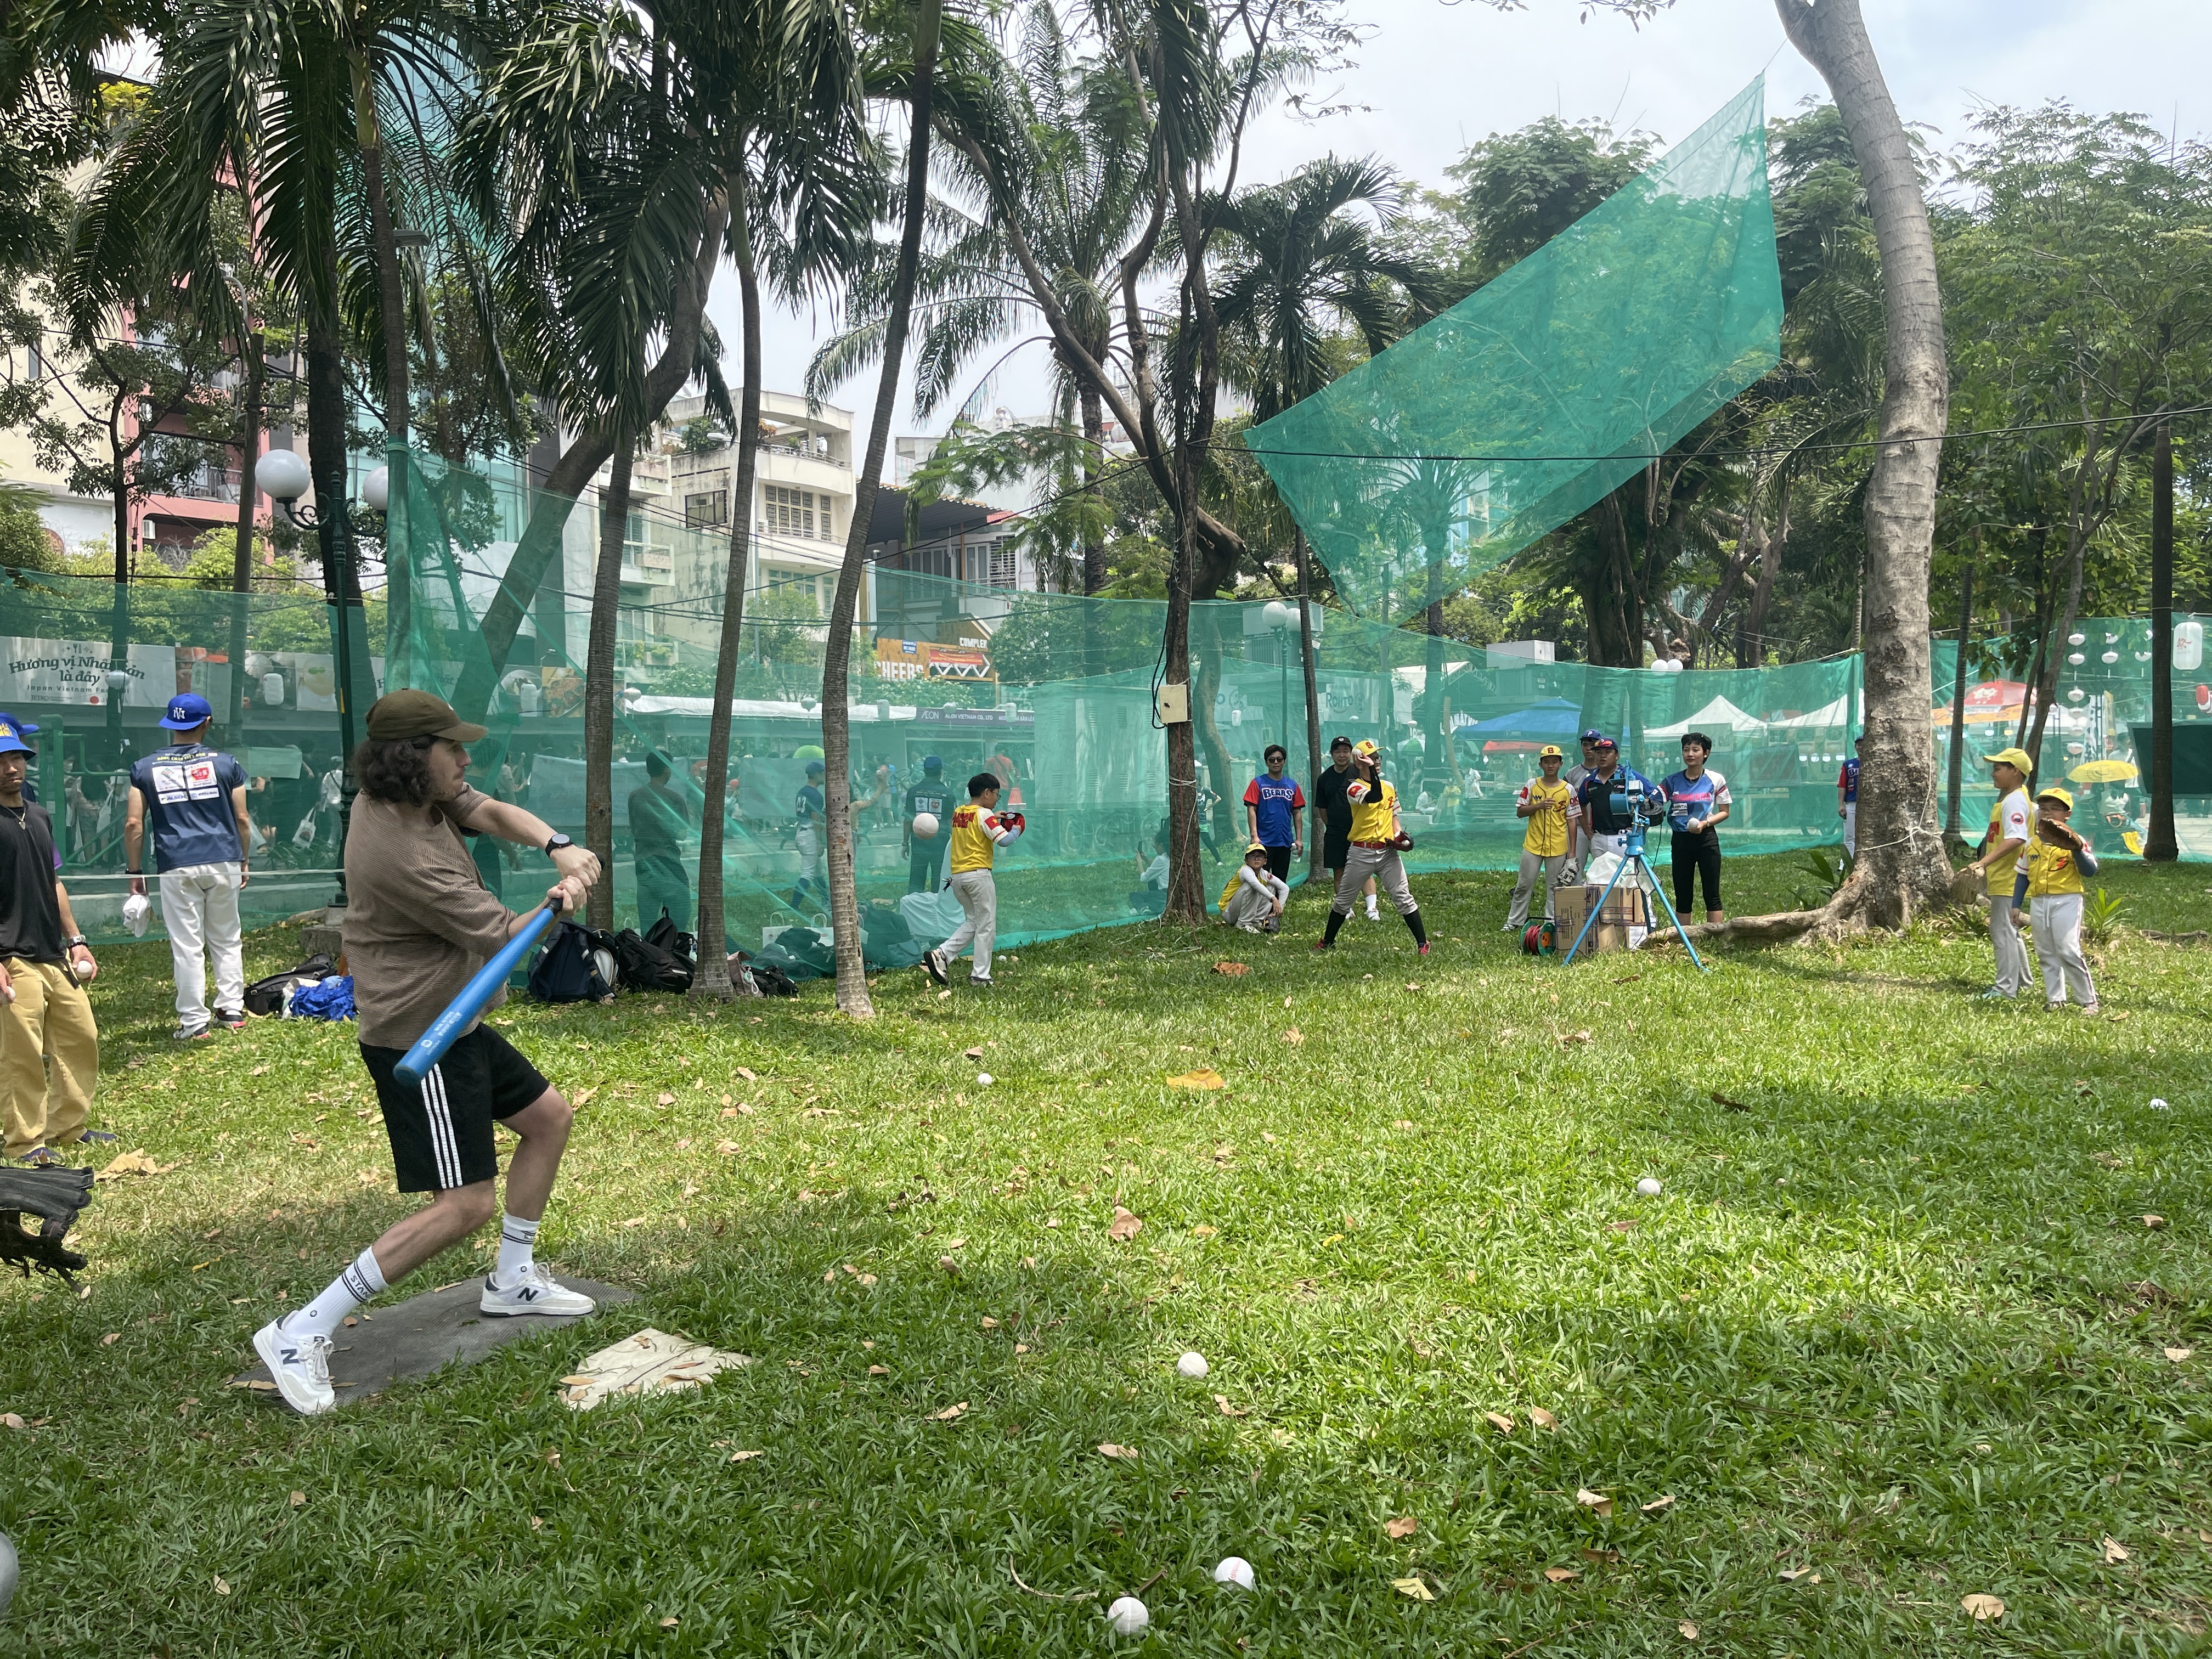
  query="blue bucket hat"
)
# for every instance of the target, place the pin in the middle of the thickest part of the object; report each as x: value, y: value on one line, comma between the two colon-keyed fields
x: 12, y: 733
x: 186, y: 710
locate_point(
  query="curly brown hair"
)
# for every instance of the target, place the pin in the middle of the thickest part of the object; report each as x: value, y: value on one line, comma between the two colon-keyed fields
x: 395, y: 769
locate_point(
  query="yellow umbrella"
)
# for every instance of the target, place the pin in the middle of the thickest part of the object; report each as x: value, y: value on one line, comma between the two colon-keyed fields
x: 2104, y: 771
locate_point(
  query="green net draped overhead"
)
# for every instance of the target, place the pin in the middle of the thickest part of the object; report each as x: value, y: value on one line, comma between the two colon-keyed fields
x: 1534, y: 396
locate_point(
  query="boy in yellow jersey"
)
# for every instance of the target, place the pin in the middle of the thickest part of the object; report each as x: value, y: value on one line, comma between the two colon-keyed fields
x: 2048, y: 883
x: 979, y: 830
x: 2011, y: 821
x: 1256, y: 895
x: 1543, y: 802
x: 1376, y: 840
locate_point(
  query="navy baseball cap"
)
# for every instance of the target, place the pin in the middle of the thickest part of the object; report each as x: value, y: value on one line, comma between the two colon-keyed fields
x: 931, y: 763
x: 1592, y: 736
x: 186, y: 710
x: 12, y: 733
x: 813, y: 767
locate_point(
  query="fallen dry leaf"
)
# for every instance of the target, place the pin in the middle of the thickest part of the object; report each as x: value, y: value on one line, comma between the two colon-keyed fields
x: 1202, y: 1230
x: 1791, y: 1575
x: 138, y: 1163
x: 1413, y: 985
x: 1403, y: 1526
x: 10, y: 1420
x: 1501, y: 1422
x: 990, y: 1323
x: 583, y: 1096
x: 2114, y: 1550
x: 1659, y: 1505
x: 745, y: 1075
x: 2153, y: 1222
x: 108, y: 1341
x: 746, y: 1456
x: 1623, y: 1226
x: 1982, y: 1607
x: 1593, y: 1500
x: 1573, y: 1037
x: 1560, y: 1574
x: 879, y: 1370
x: 257, y: 1071
x: 976, y: 1052
x: 1232, y: 969
x: 668, y: 1624
x: 298, y: 1498
x: 221, y: 1589
x: 1204, y: 1077
x: 1125, y: 1226
x: 1228, y: 1410
x: 949, y: 1413
x: 666, y: 1099
x: 1688, y: 1629
x: 1733, y: 1105
x: 1543, y: 1419
x: 1294, y: 1037
x: 1601, y: 1558
x: 1404, y: 1123
x: 1108, y: 1449
x: 2177, y: 1355
x: 1414, y: 1587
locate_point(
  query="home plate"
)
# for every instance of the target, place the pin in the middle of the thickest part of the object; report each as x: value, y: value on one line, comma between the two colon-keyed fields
x: 426, y: 1333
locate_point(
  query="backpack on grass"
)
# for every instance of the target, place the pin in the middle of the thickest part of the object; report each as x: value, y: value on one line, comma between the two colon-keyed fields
x: 266, y: 996
x: 576, y: 967
x: 645, y: 966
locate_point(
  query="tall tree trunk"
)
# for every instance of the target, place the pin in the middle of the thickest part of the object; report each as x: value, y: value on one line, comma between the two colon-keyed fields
x: 392, y: 315
x: 2059, y: 642
x: 1901, y: 865
x: 1206, y: 690
x: 242, y: 567
x: 1094, y: 445
x: 1762, y: 595
x: 836, y: 657
x: 713, y: 977
x: 2161, y: 848
x: 589, y: 450
x: 326, y: 468
x: 1308, y: 665
x: 599, y: 681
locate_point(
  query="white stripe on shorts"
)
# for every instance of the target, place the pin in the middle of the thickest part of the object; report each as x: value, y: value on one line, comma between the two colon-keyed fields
x: 441, y: 1115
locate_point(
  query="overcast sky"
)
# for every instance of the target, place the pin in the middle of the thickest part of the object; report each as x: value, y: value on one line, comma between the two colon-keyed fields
x: 1437, y: 76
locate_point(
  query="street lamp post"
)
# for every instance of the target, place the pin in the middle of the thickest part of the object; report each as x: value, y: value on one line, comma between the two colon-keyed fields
x: 282, y: 475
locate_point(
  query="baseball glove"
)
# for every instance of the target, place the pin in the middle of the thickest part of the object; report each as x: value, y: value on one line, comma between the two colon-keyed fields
x: 54, y: 1196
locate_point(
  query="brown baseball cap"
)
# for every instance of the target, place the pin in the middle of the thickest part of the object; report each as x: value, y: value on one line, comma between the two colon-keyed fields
x: 399, y: 714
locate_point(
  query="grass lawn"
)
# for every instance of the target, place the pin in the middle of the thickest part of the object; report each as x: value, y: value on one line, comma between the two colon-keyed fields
x: 1895, y: 1334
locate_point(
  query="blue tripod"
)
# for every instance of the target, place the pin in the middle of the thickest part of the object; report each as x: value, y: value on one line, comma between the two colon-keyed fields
x: 1633, y: 861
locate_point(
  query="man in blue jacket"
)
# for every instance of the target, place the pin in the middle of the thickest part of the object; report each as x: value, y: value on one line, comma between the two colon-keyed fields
x: 195, y: 798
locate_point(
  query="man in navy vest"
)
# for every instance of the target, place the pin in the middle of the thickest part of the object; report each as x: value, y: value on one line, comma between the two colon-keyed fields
x: 195, y: 798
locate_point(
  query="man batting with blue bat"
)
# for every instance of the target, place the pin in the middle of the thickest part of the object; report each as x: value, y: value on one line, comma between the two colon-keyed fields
x: 430, y: 950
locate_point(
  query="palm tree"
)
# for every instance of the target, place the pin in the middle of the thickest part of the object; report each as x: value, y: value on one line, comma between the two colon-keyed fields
x: 1300, y: 266
x: 1082, y: 204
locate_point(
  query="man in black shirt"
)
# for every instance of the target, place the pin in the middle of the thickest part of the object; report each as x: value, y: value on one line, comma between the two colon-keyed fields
x: 659, y: 818
x: 49, y: 1046
x: 1334, y: 810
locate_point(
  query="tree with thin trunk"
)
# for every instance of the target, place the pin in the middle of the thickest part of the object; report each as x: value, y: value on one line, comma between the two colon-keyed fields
x: 836, y: 657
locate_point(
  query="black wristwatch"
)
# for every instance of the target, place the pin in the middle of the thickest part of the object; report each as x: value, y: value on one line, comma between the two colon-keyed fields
x: 80, y: 939
x: 556, y: 842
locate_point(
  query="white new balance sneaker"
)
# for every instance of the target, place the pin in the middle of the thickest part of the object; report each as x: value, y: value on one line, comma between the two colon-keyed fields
x: 534, y: 1292
x: 301, y: 1366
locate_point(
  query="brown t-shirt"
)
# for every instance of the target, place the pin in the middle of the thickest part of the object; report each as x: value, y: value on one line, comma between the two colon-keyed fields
x: 418, y: 921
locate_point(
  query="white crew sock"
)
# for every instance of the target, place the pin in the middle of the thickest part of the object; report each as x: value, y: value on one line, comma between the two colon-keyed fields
x: 1373, y: 915
x: 355, y: 1286
x: 518, y: 1240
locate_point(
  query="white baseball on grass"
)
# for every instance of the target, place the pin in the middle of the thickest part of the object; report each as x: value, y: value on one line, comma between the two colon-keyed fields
x: 925, y: 826
x: 982, y: 1080
x: 1649, y: 1186
x: 1234, y: 1569
x: 1192, y: 1365
x: 2157, y: 1105
x: 1128, y: 1616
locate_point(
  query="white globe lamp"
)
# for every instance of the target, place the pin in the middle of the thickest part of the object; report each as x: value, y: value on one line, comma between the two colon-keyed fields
x: 376, y: 489
x: 282, y: 475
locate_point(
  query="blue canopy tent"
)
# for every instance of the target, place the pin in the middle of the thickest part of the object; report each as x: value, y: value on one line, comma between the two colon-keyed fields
x: 1553, y: 721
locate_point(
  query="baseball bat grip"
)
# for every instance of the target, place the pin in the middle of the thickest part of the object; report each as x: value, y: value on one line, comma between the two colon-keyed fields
x: 430, y: 1048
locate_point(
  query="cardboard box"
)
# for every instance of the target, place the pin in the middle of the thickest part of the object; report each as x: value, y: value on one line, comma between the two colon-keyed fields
x: 1625, y: 908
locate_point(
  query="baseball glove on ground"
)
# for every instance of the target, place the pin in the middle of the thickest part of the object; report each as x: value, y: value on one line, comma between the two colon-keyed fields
x: 54, y: 1196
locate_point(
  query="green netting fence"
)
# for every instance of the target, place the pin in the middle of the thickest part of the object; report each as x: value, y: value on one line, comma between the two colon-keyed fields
x: 1547, y: 387
x: 1052, y: 690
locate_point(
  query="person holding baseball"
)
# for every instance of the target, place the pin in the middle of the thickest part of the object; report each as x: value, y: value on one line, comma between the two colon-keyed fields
x: 49, y: 1046
x: 419, y: 923
x: 1376, y: 840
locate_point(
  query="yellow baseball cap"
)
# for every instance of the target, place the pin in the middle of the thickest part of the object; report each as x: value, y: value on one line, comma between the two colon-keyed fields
x: 1256, y: 847
x: 1365, y: 748
x: 2063, y: 796
x: 1551, y: 752
x: 2016, y: 758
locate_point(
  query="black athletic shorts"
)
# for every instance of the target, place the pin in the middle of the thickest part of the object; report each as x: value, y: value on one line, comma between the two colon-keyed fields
x: 1279, y: 862
x: 1336, y: 850
x: 441, y: 1129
